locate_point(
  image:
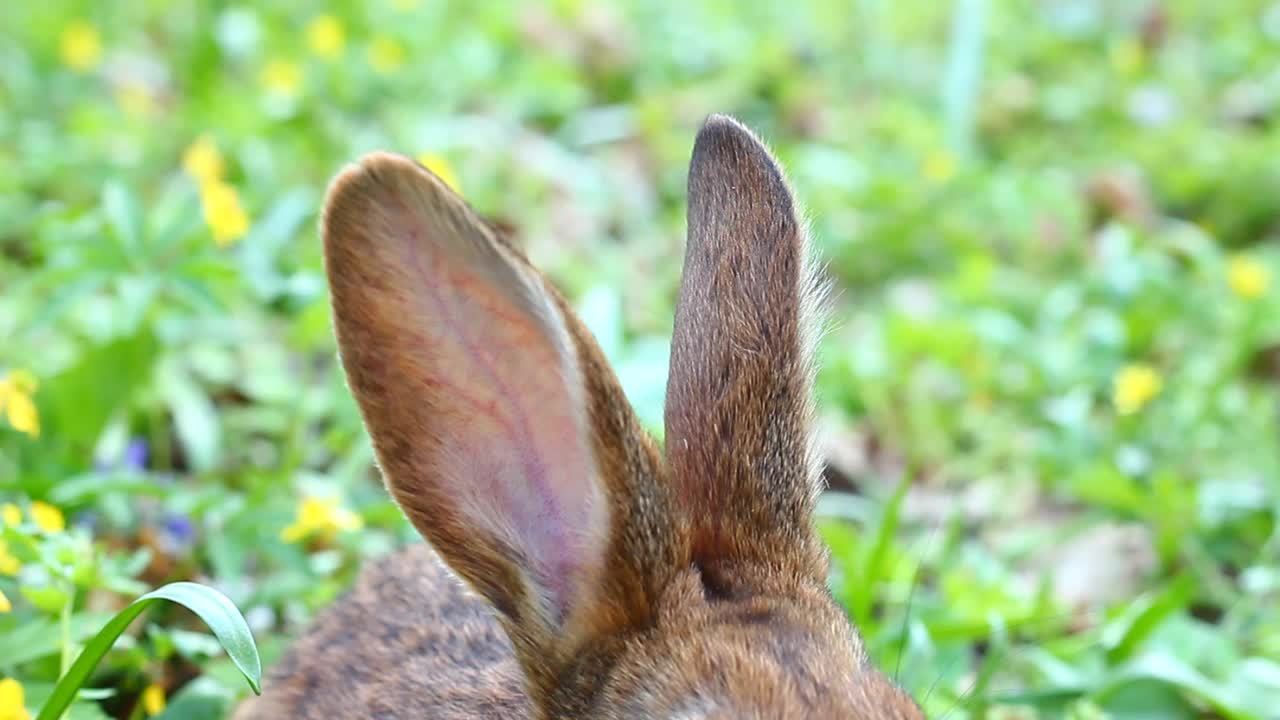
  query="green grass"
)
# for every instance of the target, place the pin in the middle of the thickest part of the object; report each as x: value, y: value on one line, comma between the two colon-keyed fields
x: 1051, y: 225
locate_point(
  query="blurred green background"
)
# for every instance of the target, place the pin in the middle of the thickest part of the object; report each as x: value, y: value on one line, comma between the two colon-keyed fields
x: 1048, y: 392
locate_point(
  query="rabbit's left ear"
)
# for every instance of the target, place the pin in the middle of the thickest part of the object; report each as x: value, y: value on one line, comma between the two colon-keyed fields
x: 499, y: 428
x: 739, y: 399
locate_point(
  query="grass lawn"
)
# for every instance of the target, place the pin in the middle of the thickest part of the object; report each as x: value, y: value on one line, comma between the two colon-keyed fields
x: 1048, y: 391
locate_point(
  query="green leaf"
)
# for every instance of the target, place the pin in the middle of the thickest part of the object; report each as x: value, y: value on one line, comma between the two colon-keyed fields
x: 204, y: 698
x: 85, y: 709
x: 214, y: 608
x: 82, y: 399
x: 1176, y: 674
x: 1142, y: 618
x: 92, y: 485
x: 49, y: 598
x: 193, y: 706
x: 874, y: 567
x: 1103, y: 485
x: 124, y: 215
x: 66, y: 296
x: 194, y: 417
x: 34, y: 639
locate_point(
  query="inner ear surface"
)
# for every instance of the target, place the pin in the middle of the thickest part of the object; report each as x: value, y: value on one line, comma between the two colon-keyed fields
x: 468, y: 380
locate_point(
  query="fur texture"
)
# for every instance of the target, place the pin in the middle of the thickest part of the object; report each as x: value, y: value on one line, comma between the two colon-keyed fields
x: 408, y: 640
x: 608, y: 582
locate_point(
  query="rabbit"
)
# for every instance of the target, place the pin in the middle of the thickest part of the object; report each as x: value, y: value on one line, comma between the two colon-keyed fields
x: 572, y: 570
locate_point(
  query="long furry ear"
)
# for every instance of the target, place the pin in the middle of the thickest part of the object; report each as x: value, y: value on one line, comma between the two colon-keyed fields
x: 739, y: 400
x: 498, y: 426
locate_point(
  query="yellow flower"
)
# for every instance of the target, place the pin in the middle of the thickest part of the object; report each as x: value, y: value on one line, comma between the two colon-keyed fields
x: 1247, y: 277
x: 326, y: 37
x: 202, y: 161
x: 23, y: 381
x: 80, y: 47
x: 22, y: 414
x: 5, y: 605
x: 441, y: 168
x: 11, y: 515
x: 1127, y: 56
x: 13, y: 704
x: 9, y: 565
x: 1135, y: 386
x: 385, y: 54
x: 153, y: 700
x: 939, y: 167
x: 320, y: 515
x: 223, y: 212
x: 48, y: 517
x: 282, y: 77
x: 16, y: 389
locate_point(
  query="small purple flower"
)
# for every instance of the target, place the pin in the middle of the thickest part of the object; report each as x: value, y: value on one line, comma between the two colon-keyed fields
x: 180, y: 531
x: 136, y: 455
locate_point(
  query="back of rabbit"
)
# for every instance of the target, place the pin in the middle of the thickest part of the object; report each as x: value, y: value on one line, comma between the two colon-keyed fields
x: 604, y: 580
x: 408, y: 640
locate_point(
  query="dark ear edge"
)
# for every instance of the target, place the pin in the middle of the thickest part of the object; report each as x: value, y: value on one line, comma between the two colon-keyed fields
x: 739, y: 400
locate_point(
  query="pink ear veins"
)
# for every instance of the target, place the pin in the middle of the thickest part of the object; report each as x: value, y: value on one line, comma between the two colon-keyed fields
x: 512, y: 443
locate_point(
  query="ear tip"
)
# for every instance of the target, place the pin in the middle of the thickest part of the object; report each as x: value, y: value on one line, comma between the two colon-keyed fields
x: 367, y: 182
x: 729, y: 158
x: 375, y: 168
x: 722, y: 120
x: 362, y: 177
x: 719, y: 129
x: 723, y: 140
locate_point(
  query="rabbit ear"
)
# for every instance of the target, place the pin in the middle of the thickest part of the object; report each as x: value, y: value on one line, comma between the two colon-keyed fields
x: 497, y: 424
x: 739, y: 398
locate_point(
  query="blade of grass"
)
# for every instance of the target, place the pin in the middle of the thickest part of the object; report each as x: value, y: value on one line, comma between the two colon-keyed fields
x: 873, y: 569
x: 214, y: 608
x: 1123, y: 639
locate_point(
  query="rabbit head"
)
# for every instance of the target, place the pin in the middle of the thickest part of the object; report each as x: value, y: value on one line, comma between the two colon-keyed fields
x: 631, y: 585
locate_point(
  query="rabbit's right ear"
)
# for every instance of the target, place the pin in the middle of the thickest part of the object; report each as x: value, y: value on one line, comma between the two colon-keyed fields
x: 739, y: 400
x: 498, y: 426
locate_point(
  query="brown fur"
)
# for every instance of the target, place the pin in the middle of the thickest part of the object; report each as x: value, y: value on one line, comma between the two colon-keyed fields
x: 696, y: 590
x: 739, y: 402
x: 440, y: 648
